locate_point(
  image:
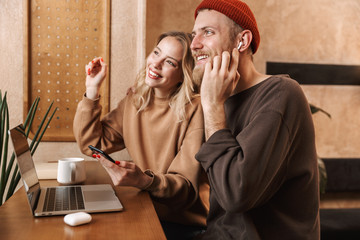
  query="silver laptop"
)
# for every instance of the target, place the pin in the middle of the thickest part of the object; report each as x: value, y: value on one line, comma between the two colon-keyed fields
x: 59, y: 200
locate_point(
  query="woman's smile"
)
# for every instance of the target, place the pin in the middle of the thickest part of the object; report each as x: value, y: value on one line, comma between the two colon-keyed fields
x: 153, y: 75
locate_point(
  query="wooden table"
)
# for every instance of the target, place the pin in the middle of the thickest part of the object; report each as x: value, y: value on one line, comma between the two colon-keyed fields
x: 138, y: 220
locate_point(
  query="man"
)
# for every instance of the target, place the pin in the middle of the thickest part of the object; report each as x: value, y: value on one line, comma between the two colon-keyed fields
x: 260, y: 153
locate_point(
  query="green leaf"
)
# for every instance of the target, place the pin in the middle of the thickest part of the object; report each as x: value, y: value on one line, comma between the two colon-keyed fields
x: 43, y: 132
x: 314, y: 109
x: 322, y: 175
x: 11, y: 168
x: 4, y: 145
x: 39, y: 128
x: 14, y: 182
x: 30, y: 116
x: 5, y: 150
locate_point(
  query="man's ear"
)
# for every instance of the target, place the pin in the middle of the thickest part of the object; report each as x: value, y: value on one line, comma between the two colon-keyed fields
x: 244, y: 38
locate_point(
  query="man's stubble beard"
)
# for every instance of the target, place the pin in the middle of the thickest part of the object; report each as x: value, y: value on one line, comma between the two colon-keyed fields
x: 198, y: 74
x: 198, y: 71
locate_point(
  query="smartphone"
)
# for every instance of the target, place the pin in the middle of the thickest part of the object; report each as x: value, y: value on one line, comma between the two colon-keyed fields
x: 96, y: 150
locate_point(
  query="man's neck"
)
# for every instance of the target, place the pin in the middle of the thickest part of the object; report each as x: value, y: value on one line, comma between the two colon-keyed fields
x: 249, y: 76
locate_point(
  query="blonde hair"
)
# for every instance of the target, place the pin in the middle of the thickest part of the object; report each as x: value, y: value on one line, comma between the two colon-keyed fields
x: 185, y: 91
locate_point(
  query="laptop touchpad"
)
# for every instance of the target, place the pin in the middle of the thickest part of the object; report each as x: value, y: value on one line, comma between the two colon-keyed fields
x: 98, y: 196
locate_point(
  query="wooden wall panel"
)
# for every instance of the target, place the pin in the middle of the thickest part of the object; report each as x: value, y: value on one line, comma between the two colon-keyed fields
x: 60, y: 38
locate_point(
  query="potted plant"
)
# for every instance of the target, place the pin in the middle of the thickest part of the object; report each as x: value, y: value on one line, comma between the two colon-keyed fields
x: 9, y: 173
x: 321, y: 164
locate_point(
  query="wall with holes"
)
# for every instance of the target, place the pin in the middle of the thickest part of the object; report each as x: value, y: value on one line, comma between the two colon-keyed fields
x: 61, y: 37
x: 65, y: 67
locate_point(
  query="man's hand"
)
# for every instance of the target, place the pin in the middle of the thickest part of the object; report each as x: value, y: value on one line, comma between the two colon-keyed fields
x: 219, y: 81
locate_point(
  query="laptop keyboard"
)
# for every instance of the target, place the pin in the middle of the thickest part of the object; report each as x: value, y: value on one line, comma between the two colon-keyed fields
x: 64, y: 198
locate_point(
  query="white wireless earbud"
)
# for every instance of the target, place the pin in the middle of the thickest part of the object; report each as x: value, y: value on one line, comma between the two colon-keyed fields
x: 239, y: 46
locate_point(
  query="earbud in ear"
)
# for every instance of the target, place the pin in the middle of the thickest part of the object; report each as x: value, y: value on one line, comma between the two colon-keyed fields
x: 239, y: 46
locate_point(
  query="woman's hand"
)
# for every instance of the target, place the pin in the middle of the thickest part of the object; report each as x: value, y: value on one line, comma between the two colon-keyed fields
x: 95, y: 75
x: 125, y: 173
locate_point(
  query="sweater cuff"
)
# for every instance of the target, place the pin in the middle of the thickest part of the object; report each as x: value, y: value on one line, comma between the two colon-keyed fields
x: 90, y: 102
x: 152, y: 175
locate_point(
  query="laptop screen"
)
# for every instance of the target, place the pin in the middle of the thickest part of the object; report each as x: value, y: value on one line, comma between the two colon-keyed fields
x: 26, y: 165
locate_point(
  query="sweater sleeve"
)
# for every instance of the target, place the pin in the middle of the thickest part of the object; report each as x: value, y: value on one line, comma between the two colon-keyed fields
x: 246, y: 170
x: 90, y: 130
x: 179, y: 186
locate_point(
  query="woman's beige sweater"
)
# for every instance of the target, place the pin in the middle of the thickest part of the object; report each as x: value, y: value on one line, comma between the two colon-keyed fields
x: 160, y: 145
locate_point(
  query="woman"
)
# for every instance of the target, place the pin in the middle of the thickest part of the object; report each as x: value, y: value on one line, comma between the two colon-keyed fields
x: 161, y: 125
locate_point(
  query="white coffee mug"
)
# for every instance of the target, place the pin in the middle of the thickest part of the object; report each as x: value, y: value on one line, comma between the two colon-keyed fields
x: 71, y: 171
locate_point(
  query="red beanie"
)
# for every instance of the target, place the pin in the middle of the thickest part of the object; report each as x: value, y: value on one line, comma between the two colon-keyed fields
x: 239, y: 12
